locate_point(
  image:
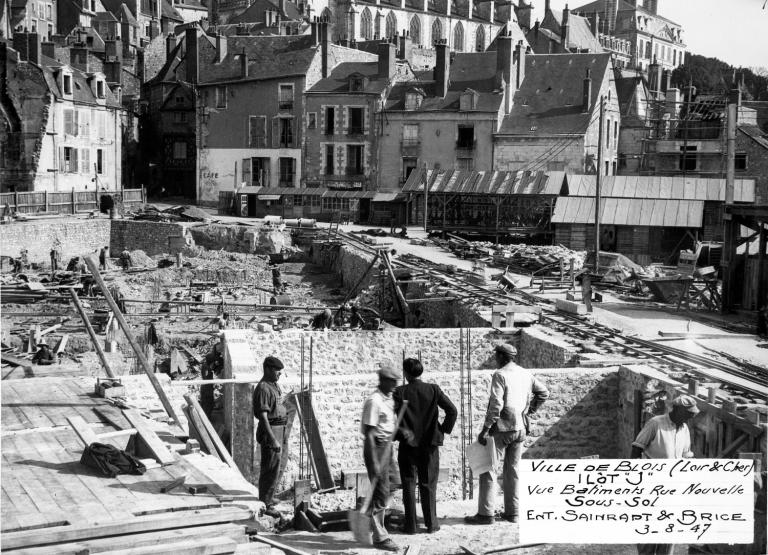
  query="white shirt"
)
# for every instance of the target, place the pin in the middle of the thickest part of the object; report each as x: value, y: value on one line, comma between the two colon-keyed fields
x: 660, y: 438
x: 379, y: 412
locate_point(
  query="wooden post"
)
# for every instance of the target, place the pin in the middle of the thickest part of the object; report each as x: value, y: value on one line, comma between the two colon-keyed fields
x: 93, y: 266
x: 91, y: 332
x: 45, y: 196
x: 597, y: 184
x: 74, y: 201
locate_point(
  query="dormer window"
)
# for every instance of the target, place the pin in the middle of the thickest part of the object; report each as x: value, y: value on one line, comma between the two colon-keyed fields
x: 100, y: 91
x: 356, y: 84
x: 468, y: 100
x: 67, y: 84
x: 413, y: 101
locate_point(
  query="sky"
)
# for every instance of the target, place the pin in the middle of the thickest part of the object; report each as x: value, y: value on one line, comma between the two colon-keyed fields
x: 735, y: 31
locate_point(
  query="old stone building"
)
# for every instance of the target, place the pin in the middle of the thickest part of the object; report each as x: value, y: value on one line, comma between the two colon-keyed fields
x: 66, y: 133
x: 38, y: 16
x: 554, y: 120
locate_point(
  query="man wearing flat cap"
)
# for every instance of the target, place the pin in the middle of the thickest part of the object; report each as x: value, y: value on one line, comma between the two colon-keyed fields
x: 268, y: 409
x: 515, y: 395
x: 377, y: 426
x: 666, y: 436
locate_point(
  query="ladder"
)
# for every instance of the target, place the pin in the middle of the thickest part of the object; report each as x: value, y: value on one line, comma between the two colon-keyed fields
x: 465, y: 388
x: 335, y: 219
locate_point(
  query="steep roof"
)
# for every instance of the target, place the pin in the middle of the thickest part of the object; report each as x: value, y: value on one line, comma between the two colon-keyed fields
x: 338, y: 80
x: 81, y: 89
x: 255, y: 12
x: 756, y: 134
x: 121, y: 11
x: 579, y: 31
x: 476, y: 71
x: 169, y: 12
x: 549, y: 102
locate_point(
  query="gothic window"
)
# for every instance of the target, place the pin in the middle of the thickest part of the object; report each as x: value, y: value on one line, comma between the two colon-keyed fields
x: 458, y: 38
x: 480, y: 39
x: 366, y: 25
x: 391, y: 28
x: 415, y: 29
x: 437, y: 31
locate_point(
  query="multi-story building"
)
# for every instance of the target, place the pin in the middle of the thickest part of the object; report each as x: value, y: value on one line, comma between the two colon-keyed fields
x: 66, y: 133
x: 35, y: 16
x: 146, y: 15
x: 554, y: 122
x: 652, y: 36
x: 343, y: 122
x: 190, y: 11
x: 447, y: 120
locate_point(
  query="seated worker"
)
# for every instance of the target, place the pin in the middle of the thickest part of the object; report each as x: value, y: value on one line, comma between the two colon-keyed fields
x: 125, y: 259
x: 355, y: 319
x: 322, y: 321
x: 44, y: 355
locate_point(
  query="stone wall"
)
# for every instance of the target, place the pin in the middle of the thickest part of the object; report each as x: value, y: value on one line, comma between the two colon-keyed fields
x: 151, y: 237
x: 542, y: 348
x: 450, y: 314
x: 246, y: 239
x: 580, y: 419
x: 349, y: 263
x: 76, y: 237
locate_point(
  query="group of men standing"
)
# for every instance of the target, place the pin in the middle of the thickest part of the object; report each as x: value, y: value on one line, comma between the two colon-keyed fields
x: 515, y: 395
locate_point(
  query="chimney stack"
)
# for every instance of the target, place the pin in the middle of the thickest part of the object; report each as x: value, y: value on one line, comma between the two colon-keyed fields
x: 401, y: 46
x: 221, y: 48
x: 564, y: 28
x: 243, y: 64
x: 315, y: 32
x: 28, y: 46
x: 595, y: 23
x: 523, y: 12
x: 520, y: 52
x: 387, y: 57
x: 324, y: 30
x: 78, y: 58
x: 192, y: 55
x: 654, y: 76
x: 546, y: 7
x: 666, y: 82
x: 170, y: 44
x: 536, y: 32
x: 586, y: 97
x: 504, y: 62
x: 442, y: 68
x: 48, y: 49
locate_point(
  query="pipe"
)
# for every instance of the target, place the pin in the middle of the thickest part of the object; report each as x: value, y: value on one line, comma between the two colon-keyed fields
x: 91, y: 333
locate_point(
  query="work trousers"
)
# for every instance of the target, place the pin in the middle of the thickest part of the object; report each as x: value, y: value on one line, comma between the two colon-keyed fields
x: 655, y: 549
x: 423, y: 463
x: 270, y: 468
x: 510, y: 446
x: 381, y: 492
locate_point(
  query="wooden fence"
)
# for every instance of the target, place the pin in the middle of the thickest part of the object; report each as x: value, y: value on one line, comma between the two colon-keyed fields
x: 36, y: 202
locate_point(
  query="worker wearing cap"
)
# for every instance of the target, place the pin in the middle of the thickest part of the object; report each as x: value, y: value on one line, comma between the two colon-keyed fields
x: 213, y: 364
x: 515, y: 395
x: 666, y: 436
x: 44, y: 355
x: 268, y: 409
x: 377, y: 425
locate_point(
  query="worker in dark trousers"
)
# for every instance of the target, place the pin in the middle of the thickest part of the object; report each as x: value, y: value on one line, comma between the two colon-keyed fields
x: 212, y: 367
x: 277, y: 280
x: 420, y: 457
x: 268, y: 409
x: 55, y: 259
x: 586, y: 290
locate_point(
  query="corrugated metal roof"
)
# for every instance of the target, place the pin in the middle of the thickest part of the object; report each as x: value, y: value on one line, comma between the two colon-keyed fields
x: 349, y: 194
x: 660, y: 187
x: 250, y: 190
x: 486, y: 182
x: 630, y: 211
x: 385, y: 197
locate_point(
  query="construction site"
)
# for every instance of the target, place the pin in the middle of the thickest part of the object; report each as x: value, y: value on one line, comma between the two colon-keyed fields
x: 128, y: 314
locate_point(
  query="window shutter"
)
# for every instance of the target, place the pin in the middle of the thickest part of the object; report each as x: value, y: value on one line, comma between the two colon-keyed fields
x: 292, y: 142
x: 61, y: 159
x: 265, y: 173
x: 75, y: 123
x: 102, y: 125
x: 345, y: 121
x: 68, y: 122
x: 275, y: 132
x: 85, y: 122
x: 86, y: 161
x: 247, y: 171
x: 73, y: 161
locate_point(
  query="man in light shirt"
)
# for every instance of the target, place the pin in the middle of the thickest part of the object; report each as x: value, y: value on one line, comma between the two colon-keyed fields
x: 666, y: 437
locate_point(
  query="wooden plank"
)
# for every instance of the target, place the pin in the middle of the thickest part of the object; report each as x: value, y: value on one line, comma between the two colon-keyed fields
x: 208, y: 427
x: 137, y: 525
x: 155, y: 444
x: 206, y: 546
x: 197, y: 431
x: 82, y: 430
x: 61, y: 344
x: 196, y: 533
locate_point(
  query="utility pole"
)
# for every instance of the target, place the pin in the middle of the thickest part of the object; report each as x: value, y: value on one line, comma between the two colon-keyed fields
x: 729, y: 228
x: 597, y: 183
x: 426, y: 196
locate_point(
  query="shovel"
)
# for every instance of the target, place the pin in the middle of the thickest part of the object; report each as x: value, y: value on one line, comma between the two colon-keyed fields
x: 360, y: 520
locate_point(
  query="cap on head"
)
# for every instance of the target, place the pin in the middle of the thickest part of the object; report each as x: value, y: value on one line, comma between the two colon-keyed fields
x: 387, y: 369
x: 506, y: 349
x: 273, y: 362
x: 327, y: 312
x: 687, y: 402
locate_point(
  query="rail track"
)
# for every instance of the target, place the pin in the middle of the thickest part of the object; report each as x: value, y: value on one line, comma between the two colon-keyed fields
x: 606, y: 340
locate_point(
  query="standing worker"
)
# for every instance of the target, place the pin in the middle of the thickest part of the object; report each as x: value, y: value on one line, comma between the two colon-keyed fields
x: 125, y: 259
x: 277, y: 280
x: 420, y: 456
x: 103, y: 256
x: 666, y: 437
x: 213, y: 364
x: 377, y: 425
x: 586, y: 290
x: 507, y: 422
x: 55, y: 258
x: 268, y: 409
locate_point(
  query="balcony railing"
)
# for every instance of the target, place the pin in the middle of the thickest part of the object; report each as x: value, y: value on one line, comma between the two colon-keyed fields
x: 285, y: 105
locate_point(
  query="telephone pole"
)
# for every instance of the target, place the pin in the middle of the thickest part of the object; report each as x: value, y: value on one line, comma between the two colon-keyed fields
x: 597, y: 183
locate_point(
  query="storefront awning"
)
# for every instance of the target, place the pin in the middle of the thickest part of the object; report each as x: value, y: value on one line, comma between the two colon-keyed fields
x: 268, y: 197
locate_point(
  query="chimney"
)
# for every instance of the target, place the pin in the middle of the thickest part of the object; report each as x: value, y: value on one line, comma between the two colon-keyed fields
x: 170, y: 44
x: 48, y: 49
x: 324, y: 30
x: 221, y: 48
x: 654, y: 76
x: 504, y: 62
x: 21, y: 45
x: 666, y: 81
x: 595, y: 23
x: 281, y: 5
x: 536, y: 32
x: 546, y: 7
x: 387, y: 57
x: 520, y: 52
x: 564, y: 28
x: 113, y: 49
x: 442, y: 68
x: 191, y: 55
x: 672, y: 102
x: 243, y: 64
x: 523, y: 12
x: 401, y: 46
x: 315, y: 32
x: 586, y: 95
x: 78, y: 58
x: 651, y: 6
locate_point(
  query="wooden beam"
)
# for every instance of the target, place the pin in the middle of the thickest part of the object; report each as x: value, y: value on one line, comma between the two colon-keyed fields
x: 730, y: 448
x: 91, y: 333
x: 208, y: 427
x: 203, y: 546
x: 137, y: 525
x: 288, y: 549
x: 94, y: 268
x: 398, y: 293
x: 83, y: 430
x: 197, y: 431
x: 156, y: 445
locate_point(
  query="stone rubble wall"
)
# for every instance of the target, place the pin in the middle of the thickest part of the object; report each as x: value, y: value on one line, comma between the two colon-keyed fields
x: 580, y: 418
x: 264, y: 240
x: 76, y: 237
x: 349, y: 263
x: 541, y: 348
x: 151, y: 237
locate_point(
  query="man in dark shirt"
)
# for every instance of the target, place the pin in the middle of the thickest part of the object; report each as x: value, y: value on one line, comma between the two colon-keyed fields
x: 44, y: 355
x: 323, y: 320
x: 212, y: 367
x: 268, y: 409
x: 420, y: 456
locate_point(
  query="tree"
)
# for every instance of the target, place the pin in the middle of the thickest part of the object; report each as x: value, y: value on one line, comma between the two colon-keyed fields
x: 713, y: 76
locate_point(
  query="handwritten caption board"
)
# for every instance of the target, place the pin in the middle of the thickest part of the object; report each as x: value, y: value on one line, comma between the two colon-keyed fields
x: 636, y: 501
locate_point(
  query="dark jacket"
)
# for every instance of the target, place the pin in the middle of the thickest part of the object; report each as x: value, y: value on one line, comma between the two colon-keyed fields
x: 421, y: 416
